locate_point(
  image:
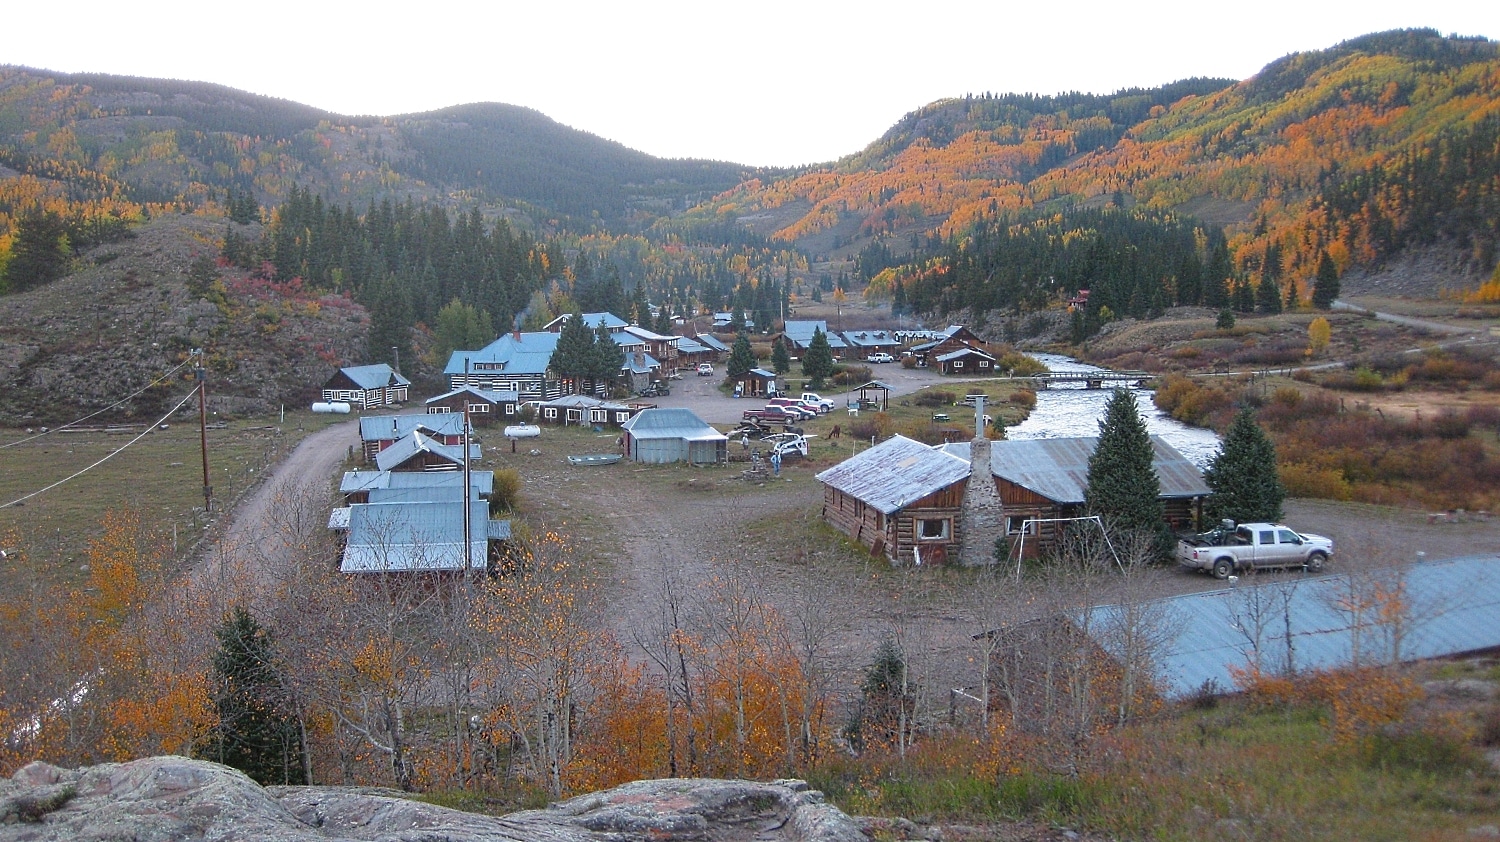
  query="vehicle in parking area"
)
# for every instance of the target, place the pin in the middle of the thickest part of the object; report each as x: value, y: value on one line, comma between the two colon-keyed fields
x: 788, y: 444
x: 880, y: 357
x: 795, y: 405
x: 823, y: 404
x: 772, y: 415
x: 705, y: 370
x: 1251, y: 546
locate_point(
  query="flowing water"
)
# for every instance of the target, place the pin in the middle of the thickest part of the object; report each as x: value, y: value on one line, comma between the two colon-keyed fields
x: 1068, y: 411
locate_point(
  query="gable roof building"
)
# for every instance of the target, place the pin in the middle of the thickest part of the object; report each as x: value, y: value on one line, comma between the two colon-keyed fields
x: 901, y: 499
x: 367, y: 386
x: 428, y: 537
x: 660, y: 436
x: 417, y: 452
x: 799, y: 334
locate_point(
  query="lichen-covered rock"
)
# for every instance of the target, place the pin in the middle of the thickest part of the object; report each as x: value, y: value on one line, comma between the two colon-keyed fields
x: 171, y: 798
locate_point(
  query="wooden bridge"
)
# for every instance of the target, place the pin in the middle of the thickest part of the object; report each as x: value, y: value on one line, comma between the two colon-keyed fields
x: 1091, y: 379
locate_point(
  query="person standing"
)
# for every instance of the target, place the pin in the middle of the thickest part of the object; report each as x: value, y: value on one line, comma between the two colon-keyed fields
x: 775, y: 463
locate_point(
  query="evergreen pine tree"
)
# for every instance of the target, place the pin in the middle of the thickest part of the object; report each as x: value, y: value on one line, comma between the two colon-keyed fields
x: 391, y: 320
x: 1123, y: 488
x: 255, y: 734
x: 1326, y: 283
x: 606, y: 357
x: 781, y: 361
x: 817, y: 363
x: 898, y: 299
x: 1268, y: 296
x: 573, y: 358
x: 663, y: 324
x: 741, y: 358
x: 40, y: 252
x: 1242, y: 475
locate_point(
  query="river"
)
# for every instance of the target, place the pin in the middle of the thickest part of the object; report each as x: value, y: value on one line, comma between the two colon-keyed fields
x: 1068, y: 411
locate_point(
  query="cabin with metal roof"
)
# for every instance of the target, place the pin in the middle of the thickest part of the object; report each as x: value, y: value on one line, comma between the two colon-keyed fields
x: 665, y: 435
x: 517, y: 362
x: 966, y: 361
x: 608, y: 321
x: 584, y: 410
x: 419, y: 537
x: 417, y: 452
x: 377, y: 432
x: 755, y: 383
x: 1040, y: 480
x: 863, y: 343
x: 486, y: 406
x: 900, y: 499
x: 797, y: 335
x: 367, y: 386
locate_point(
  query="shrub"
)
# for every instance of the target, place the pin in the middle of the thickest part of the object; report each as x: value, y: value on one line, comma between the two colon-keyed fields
x: 1449, y: 425
x: 1489, y: 726
x: 506, y: 495
x: 1434, y: 747
x: 908, y: 362
x: 1027, y: 398
x: 851, y: 375
x: 1303, y: 480
x: 934, y: 397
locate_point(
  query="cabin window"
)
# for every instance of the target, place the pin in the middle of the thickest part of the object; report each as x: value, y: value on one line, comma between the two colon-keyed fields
x: 1019, y: 526
x: 933, y: 529
x: 958, y: 363
x: 598, y: 415
x: 510, y: 409
x: 479, y: 407
x: 549, y: 412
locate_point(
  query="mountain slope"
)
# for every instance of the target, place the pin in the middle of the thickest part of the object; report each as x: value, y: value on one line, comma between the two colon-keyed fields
x: 152, y: 141
x: 1262, y: 157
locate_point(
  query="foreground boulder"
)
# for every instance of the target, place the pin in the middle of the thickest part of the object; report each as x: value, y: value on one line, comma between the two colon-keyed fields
x: 175, y: 798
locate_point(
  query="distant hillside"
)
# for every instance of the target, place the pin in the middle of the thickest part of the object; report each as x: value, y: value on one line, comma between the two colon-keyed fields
x: 161, y: 142
x: 1363, y: 150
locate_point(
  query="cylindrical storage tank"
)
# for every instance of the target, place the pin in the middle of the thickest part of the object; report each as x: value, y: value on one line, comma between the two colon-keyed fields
x: 335, y: 407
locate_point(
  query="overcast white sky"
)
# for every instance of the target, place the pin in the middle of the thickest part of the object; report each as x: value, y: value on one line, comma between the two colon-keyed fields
x: 766, y: 83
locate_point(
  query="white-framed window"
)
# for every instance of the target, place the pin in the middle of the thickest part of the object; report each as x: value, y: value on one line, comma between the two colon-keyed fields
x: 598, y: 415
x: 438, y: 410
x: 479, y: 407
x: 933, y: 529
x: 510, y: 409
x: 549, y: 412
x: 1018, y: 525
x: 958, y: 363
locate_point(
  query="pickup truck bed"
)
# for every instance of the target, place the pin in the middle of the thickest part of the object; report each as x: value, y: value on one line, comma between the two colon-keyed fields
x: 1253, y: 546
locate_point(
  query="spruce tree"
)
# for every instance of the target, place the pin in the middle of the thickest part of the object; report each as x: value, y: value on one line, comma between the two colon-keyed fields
x: 1123, y: 488
x: 817, y: 363
x: 40, y: 253
x: 741, y: 358
x: 1268, y: 296
x: 1326, y: 283
x: 1242, y: 475
x: 256, y: 734
x: 781, y: 361
x: 606, y: 357
x: 573, y: 358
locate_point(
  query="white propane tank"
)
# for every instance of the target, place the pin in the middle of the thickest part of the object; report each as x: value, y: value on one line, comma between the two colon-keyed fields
x: 335, y: 407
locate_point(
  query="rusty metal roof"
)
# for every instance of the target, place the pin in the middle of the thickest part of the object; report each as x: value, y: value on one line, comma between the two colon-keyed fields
x: 894, y: 473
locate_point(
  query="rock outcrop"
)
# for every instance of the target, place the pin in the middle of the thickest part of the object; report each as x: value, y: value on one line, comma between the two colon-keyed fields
x: 173, y: 798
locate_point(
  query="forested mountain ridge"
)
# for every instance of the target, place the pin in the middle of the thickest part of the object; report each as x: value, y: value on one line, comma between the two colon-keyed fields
x: 126, y: 143
x: 1360, y: 150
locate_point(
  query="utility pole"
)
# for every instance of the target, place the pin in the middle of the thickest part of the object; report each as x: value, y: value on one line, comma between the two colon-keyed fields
x: 396, y: 356
x: 208, y: 490
x: 468, y: 535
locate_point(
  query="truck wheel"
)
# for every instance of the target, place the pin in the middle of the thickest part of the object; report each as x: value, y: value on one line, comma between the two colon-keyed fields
x: 1223, y: 567
x: 1315, y: 562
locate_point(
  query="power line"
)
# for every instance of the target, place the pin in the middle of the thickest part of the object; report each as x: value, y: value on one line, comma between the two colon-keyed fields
x: 50, y: 431
x: 106, y: 458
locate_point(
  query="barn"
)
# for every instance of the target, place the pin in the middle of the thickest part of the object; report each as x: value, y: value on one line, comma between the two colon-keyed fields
x: 901, y: 499
x: 661, y: 436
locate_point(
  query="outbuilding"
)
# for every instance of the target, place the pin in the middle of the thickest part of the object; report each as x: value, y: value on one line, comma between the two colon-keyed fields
x: 665, y: 435
x: 900, y: 499
x: 367, y: 386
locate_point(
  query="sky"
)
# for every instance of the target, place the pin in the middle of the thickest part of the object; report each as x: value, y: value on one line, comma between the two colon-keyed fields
x: 769, y: 83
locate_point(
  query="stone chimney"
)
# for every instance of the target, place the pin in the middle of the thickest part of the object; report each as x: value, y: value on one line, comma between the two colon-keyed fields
x: 983, y: 513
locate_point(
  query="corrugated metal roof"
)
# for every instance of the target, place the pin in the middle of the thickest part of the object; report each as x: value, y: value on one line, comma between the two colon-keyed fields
x: 338, y: 519
x: 420, y: 494
x: 870, y: 339
x: 1454, y: 606
x: 671, y: 423
x: 483, y: 482
x: 895, y: 472
x: 382, y: 427
x: 801, y: 331
x: 414, y: 536
x: 528, y: 355
x: 713, y: 342
x: 376, y: 376
x: 1058, y: 469
x: 964, y: 352
x: 583, y: 402
x: 686, y: 345
x: 404, y: 449
x: 491, y: 395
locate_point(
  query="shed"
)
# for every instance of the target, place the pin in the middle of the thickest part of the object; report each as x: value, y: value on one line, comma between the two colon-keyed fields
x: 756, y: 383
x: 417, y: 452
x: 900, y: 499
x: 661, y: 436
x: 584, y: 410
x: 377, y: 432
x: 357, y: 486
x: 966, y: 360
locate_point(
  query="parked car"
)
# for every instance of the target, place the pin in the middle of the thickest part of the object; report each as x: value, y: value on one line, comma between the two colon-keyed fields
x: 1252, y: 546
x: 705, y: 370
x: 881, y: 357
x: 823, y: 404
x: 793, y: 405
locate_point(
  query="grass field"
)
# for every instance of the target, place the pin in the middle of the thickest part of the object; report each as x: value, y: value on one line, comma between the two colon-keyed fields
x: 161, y: 475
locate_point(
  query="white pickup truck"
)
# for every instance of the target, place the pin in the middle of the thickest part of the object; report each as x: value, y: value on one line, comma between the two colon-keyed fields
x: 1252, y: 546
